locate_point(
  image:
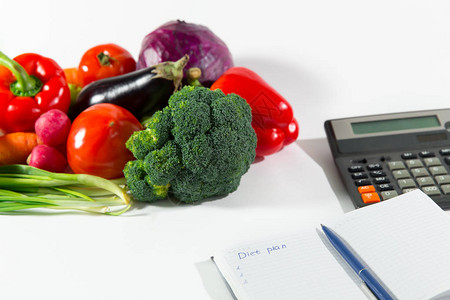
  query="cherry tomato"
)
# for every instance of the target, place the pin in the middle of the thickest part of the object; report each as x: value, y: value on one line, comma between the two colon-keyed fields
x: 103, y: 61
x: 96, y: 142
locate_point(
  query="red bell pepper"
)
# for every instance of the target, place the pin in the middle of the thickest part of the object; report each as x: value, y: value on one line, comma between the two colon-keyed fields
x: 29, y: 86
x: 272, y: 116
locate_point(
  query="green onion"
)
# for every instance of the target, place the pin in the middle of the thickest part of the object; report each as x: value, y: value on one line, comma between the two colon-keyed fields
x: 24, y: 187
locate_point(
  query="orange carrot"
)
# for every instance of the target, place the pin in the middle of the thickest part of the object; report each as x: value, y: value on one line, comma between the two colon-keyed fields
x: 15, y: 147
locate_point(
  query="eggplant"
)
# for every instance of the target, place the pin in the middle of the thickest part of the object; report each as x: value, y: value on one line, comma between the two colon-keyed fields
x: 140, y: 91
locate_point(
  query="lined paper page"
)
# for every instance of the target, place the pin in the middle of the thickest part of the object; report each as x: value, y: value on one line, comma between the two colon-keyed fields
x: 405, y: 241
x: 294, y: 267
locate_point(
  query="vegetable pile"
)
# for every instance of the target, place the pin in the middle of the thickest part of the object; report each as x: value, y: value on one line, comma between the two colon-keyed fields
x: 181, y: 122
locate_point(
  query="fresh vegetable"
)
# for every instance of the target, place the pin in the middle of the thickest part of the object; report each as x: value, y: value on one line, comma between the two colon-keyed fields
x: 272, y: 115
x: 29, y: 86
x: 96, y: 142
x: 15, y: 147
x: 47, y: 158
x: 197, y: 147
x: 176, y: 38
x: 72, y: 76
x: 104, y: 61
x: 53, y: 127
x: 73, y: 82
x: 24, y: 187
x: 140, y: 92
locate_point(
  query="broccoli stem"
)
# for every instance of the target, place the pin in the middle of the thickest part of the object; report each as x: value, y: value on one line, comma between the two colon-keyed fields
x: 23, y: 187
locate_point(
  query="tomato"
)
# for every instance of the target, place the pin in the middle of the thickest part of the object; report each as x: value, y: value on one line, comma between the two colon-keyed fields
x: 103, y: 61
x: 96, y: 142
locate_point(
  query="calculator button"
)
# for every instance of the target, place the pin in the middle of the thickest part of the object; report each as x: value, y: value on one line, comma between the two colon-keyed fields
x: 354, y: 169
x: 432, y: 161
x: 438, y: 171
x: 377, y: 174
x: 361, y: 182
x: 406, y: 183
x: 424, y: 181
x: 400, y: 174
x: 442, y: 179
x: 431, y: 190
x: 414, y: 163
x: 385, y: 187
x: 396, y: 165
x: 370, y: 197
x: 359, y: 175
x: 445, y: 151
x: 419, y: 172
x: 408, y: 155
x: 374, y: 167
x: 366, y: 189
x: 379, y: 180
x: 426, y: 154
x: 447, y: 160
x: 446, y: 189
x: 408, y: 190
x: 388, y: 194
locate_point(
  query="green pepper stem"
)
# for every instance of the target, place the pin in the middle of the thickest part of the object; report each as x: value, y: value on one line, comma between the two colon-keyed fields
x: 25, y: 84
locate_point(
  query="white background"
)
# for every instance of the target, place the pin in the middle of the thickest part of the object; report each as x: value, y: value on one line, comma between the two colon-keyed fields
x: 329, y: 59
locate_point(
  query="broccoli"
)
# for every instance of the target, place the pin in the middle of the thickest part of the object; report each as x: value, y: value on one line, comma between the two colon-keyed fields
x: 197, y: 147
x: 140, y: 185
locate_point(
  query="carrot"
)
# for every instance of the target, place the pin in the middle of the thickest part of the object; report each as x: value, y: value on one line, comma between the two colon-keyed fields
x: 15, y: 147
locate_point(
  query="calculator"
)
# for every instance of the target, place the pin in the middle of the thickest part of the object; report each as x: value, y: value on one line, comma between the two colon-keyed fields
x: 382, y: 156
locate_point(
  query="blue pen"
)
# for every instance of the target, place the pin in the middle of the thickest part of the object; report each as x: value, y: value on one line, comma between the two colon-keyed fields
x: 376, y: 288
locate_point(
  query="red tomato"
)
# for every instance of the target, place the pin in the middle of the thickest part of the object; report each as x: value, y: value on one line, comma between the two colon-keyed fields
x: 96, y: 142
x: 104, y: 61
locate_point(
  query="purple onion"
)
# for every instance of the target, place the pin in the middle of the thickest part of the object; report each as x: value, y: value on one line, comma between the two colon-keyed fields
x: 174, y: 39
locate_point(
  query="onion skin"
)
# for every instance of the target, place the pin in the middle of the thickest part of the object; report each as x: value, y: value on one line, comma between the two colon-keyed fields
x: 174, y: 39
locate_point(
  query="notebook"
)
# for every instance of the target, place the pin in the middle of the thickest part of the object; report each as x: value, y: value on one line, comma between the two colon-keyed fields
x: 404, y: 241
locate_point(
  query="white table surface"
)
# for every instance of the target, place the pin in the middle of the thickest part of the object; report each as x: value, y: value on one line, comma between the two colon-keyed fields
x: 329, y: 59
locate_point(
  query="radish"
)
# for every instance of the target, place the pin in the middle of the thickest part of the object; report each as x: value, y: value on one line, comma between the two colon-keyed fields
x: 52, y: 127
x: 47, y: 158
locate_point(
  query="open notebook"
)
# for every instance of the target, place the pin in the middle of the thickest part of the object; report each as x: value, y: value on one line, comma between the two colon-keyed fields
x: 405, y: 241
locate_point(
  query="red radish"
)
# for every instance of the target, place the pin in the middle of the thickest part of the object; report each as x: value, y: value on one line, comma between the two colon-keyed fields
x: 53, y: 127
x: 47, y: 158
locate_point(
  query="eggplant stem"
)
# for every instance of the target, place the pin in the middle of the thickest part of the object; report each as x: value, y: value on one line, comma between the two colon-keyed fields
x: 171, y: 70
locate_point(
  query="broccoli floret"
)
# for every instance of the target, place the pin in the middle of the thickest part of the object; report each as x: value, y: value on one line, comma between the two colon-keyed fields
x: 156, y: 134
x: 139, y: 183
x: 163, y: 165
x: 199, y: 146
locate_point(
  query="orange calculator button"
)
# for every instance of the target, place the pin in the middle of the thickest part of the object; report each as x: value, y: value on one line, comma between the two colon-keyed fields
x: 366, y: 189
x: 370, y: 197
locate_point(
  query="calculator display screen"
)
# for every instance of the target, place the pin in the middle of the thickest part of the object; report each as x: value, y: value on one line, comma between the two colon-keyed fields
x: 395, y: 124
